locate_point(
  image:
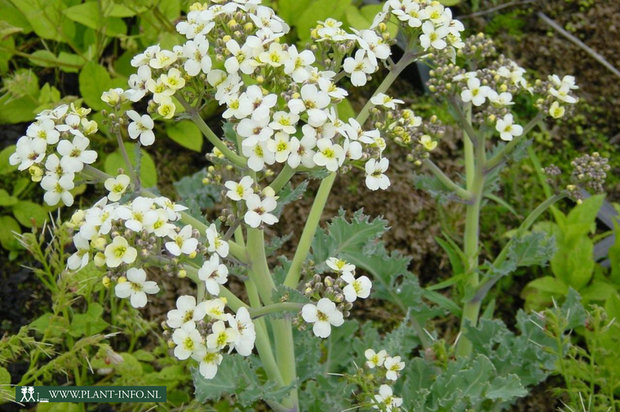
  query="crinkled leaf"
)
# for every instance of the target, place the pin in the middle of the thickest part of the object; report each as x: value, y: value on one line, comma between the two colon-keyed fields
x: 236, y: 376
x: 197, y: 196
x: 326, y: 393
x: 356, y: 241
x: 289, y: 194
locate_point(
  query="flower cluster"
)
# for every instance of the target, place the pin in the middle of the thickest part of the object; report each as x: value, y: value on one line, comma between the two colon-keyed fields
x: 281, y: 101
x: 430, y: 22
x: 388, y: 369
x: 493, y: 85
x: 55, y: 149
x: 258, y: 206
x: 203, y: 331
x: 335, y: 296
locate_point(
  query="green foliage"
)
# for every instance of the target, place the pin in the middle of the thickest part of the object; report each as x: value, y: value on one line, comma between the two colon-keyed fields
x: 185, y: 133
x: 72, y: 37
x: 239, y: 376
x: 573, y: 264
x: 115, y: 161
x: 196, y: 195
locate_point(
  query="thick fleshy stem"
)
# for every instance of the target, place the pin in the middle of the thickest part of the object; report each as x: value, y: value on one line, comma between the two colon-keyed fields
x: 474, y: 176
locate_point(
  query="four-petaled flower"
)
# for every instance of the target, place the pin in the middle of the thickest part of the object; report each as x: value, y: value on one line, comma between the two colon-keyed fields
x: 323, y: 315
x: 136, y: 287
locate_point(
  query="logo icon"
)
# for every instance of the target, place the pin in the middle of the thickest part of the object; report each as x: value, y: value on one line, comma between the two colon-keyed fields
x: 28, y: 394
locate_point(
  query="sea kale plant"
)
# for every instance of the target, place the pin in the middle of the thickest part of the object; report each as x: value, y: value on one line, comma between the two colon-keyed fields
x: 282, y: 106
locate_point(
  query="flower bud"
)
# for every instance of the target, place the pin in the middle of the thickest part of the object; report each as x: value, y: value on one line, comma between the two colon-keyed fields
x: 106, y: 281
x: 99, y: 259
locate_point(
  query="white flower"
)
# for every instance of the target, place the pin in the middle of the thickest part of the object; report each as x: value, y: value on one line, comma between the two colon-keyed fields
x: 163, y: 59
x: 328, y: 154
x: 74, y: 154
x: 503, y: 99
x: 216, y: 243
x: 374, y: 45
x: 284, y: 121
x: 214, y: 274
x: 556, y: 111
x: 258, y: 155
x: 134, y: 214
x: 386, y: 399
x: 209, y: 361
x: 197, y: 57
x: 358, y: 67
x: 116, y: 186
x: 57, y: 189
x: 112, y: 96
x: 304, y: 152
x: 221, y: 336
x: 375, y: 359
x: 141, y: 127
x: 507, y: 130
x: 188, y: 341
x: 282, y: 146
x: 258, y: 210
x: 186, y: 312
x: 215, y: 308
x: 427, y: 142
x: 382, y: 99
x: 182, y: 242
x: 340, y: 266
x: 156, y: 221
x: 238, y: 106
x: 44, y: 129
x: 475, y: 93
x: 375, y: 177
x: 80, y: 258
x: 275, y: 56
x: 297, y: 66
x: 119, y: 252
x: 356, y: 288
x: 241, y: 190
x: 323, y: 315
x: 311, y: 100
x: 433, y: 36
x: 393, y: 365
x: 243, y: 58
x: 136, y: 287
x: 242, y: 321
x: 28, y: 152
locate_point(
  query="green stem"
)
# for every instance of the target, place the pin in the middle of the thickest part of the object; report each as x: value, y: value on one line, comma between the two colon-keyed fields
x: 312, y: 223
x: 132, y: 171
x: 474, y: 165
x: 259, y: 271
x: 283, y: 177
x: 404, y: 61
x: 285, y: 356
x: 211, y: 137
x: 446, y: 181
x: 275, y: 308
